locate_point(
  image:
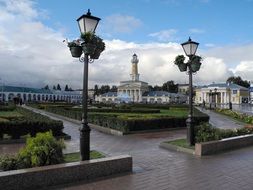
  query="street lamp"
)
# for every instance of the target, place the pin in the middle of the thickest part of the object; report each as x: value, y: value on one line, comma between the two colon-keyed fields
x: 211, y: 94
x: 87, y: 24
x: 190, y: 48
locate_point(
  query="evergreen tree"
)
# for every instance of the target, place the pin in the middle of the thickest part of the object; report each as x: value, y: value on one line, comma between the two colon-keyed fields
x: 96, y: 90
x: 54, y: 88
x: 58, y: 87
x: 66, y: 88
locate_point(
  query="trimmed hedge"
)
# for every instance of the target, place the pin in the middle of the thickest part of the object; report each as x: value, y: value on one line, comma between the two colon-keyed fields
x: 133, y: 125
x: 102, y: 110
x: 7, y: 107
x: 75, y: 113
x: 127, y: 125
x: 31, y: 123
x: 159, y: 106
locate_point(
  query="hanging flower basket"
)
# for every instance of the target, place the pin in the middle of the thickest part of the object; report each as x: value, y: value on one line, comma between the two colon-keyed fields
x: 195, y: 63
x: 88, y: 48
x: 182, y: 67
x: 195, y: 66
x: 96, y: 54
x: 76, y: 51
x: 89, y: 40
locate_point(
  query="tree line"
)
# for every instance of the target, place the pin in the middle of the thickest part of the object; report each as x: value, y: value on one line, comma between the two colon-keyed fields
x: 238, y: 80
x: 58, y: 87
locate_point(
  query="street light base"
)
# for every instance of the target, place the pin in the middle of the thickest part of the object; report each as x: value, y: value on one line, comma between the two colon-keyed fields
x: 190, y: 131
x: 85, y: 142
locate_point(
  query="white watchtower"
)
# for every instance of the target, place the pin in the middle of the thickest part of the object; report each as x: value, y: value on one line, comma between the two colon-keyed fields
x: 135, y: 75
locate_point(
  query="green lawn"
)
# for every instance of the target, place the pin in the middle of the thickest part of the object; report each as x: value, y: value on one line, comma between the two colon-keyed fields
x: 182, y: 143
x: 75, y: 157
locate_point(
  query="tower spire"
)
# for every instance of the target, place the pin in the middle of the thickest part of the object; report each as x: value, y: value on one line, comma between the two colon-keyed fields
x: 135, y: 75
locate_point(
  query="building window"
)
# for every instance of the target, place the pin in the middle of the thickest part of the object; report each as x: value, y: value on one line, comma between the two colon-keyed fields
x: 234, y: 91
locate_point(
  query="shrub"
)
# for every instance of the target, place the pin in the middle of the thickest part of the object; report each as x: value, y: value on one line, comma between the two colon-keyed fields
x: 42, y: 150
x: 206, y: 132
x: 8, y: 162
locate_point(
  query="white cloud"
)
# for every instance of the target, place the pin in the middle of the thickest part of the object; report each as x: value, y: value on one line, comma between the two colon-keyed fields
x: 118, y: 23
x: 213, y: 70
x: 232, y: 55
x: 22, y: 8
x: 245, y: 70
x: 33, y: 54
x: 165, y: 35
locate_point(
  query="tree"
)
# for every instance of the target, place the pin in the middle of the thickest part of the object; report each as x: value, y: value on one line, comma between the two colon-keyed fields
x: 54, y: 88
x: 66, y: 88
x: 157, y: 88
x: 238, y: 80
x: 58, y: 87
x: 150, y: 88
x: 46, y: 87
x: 169, y: 86
x: 96, y: 90
x: 114, y: 88
x: 104, y: 89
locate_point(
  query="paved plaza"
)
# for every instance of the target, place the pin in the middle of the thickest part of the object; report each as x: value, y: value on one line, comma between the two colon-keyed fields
x: 156, y: 168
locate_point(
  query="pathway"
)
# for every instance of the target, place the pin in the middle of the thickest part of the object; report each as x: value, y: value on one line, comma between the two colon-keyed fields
x: 221, y: 121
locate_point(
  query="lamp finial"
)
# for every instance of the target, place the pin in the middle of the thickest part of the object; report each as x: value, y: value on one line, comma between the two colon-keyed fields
x: 88, y: 13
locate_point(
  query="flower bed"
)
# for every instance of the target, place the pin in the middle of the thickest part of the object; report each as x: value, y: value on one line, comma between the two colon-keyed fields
x: 211, y: 140
x: 206, y: 132
x: 236, y: 115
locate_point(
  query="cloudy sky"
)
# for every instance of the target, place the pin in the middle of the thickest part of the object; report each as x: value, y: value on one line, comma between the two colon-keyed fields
x: 32, y: 52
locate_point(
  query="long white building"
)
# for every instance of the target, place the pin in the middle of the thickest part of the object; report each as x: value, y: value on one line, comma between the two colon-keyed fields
x: 8, y: 93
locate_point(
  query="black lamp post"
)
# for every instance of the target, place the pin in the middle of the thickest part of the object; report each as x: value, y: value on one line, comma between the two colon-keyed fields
x: 86, y: 23
x: 213, y: 94
x: 190, y: 48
